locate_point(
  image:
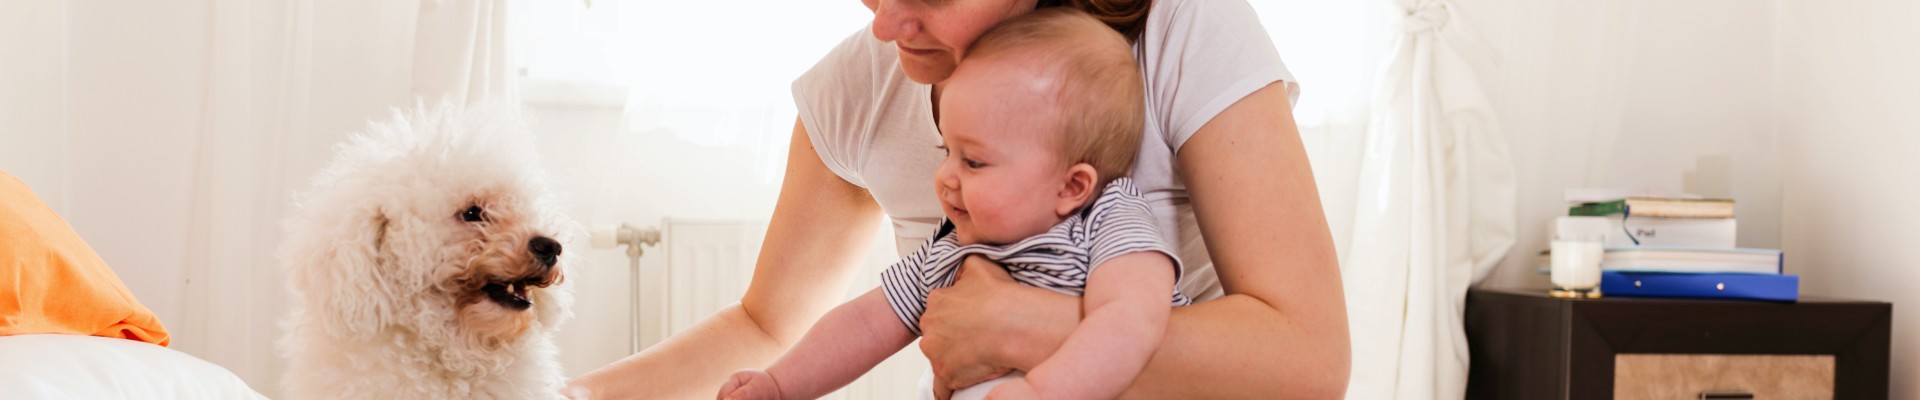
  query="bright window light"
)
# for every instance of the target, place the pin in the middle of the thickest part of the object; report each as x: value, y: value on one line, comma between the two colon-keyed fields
x: 717, y: 72
x: 712, y: 73
x: 1332, y: 48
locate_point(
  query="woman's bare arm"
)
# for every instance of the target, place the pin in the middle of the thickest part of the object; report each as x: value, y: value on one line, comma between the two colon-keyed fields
x: 1281, y: 330
x: 820, y: 233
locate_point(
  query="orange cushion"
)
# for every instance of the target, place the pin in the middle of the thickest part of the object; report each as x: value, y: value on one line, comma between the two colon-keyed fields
x: 52, y: 282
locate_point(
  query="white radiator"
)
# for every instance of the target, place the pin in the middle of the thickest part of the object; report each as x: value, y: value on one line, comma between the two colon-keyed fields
x: 708, y: 267
x: 702, y: 266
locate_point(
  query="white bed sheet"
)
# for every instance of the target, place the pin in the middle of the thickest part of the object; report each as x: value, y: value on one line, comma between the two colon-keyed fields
x: 91, y: 367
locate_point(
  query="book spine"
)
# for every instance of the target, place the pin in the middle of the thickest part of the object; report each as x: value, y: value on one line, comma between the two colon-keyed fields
x: 1672, y: 208
x: 1675, y: 212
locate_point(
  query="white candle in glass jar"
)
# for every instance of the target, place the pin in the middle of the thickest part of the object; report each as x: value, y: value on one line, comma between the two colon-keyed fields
x: 1576, y: 264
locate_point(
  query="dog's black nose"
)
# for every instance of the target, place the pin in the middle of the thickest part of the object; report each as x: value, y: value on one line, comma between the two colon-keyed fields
x: 545, y: 249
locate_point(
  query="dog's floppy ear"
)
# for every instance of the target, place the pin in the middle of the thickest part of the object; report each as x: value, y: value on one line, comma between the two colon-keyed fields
x: 340, y: 268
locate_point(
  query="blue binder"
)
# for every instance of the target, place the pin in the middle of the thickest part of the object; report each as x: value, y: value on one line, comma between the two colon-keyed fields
x: 1701, y: 286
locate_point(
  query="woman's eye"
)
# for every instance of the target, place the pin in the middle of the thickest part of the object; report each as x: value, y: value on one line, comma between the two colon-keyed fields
x: 473, y: 214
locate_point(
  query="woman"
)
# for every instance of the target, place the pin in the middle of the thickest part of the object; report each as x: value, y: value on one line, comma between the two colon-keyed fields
x: 1222, y: 164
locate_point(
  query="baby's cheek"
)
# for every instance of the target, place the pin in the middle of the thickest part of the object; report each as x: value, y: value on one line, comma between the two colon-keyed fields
x: 993, y: 213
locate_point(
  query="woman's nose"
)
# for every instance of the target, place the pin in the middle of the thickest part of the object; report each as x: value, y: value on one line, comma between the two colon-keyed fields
x: 893, y: 20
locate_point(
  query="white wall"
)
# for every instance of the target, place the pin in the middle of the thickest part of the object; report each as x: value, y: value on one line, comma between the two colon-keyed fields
x: 1632, y: 94
x: 1849, y: 139
x: 33, y: 143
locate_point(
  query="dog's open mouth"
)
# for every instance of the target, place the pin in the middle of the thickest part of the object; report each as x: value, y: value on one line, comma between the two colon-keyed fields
x: 511, y: 295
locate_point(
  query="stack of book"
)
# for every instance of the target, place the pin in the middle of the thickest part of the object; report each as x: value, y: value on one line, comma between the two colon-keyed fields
x: 1682, y: 247
x: 1649, y: 221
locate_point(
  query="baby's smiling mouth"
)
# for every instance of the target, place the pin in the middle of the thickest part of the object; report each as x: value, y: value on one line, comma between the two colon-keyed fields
x: 957, y: 212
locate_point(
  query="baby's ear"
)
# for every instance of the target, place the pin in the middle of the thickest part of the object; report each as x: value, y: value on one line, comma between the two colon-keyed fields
x: 1079, y: 186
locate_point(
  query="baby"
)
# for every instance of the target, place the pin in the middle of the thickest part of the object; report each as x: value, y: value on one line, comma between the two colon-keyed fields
x: 1039, y: 123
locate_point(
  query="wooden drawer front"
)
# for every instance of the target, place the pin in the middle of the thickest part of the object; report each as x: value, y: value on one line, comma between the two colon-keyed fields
x: 1685, y: 376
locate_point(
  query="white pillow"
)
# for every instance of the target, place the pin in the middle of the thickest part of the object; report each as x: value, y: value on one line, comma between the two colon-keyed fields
x: 92, y: 367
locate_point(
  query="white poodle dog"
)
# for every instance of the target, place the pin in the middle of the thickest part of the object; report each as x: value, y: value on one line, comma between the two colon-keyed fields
x: 426, y: 263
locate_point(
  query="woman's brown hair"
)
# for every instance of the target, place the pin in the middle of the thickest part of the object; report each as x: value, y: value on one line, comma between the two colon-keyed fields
x: 1129, y: 17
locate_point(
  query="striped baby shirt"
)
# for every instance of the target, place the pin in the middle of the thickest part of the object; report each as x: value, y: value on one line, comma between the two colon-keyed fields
x: 1059, y: 259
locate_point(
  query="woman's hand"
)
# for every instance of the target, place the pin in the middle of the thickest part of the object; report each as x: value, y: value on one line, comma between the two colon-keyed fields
x: 987, y: 325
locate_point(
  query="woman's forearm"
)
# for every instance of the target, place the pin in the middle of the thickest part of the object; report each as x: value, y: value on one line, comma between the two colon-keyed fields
x: 1237, y: 347
x: 687, y: 365
x: 1234, y: 347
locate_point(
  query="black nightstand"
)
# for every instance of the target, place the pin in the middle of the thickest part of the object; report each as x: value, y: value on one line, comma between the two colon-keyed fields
x: 1526, y: 345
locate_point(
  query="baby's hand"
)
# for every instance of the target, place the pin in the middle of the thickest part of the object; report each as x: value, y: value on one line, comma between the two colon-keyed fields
x: 1016, y: 389
x: 750, y: 384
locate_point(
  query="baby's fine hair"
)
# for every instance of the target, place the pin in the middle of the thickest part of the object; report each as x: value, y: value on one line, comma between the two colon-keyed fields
x: 1101, y: 98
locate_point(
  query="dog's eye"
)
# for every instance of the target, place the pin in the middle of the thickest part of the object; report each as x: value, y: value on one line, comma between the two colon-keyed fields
x: 473, y: 214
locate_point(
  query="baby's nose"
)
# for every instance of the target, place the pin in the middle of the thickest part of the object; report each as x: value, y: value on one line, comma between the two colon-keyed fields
x: 944, y: 179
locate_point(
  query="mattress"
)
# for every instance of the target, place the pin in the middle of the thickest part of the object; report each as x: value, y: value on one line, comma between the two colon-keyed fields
x: 92, y: 367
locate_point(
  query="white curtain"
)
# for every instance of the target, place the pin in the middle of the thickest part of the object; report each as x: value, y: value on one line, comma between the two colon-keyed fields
x: 170, y: 135
x: 461, y: 51
x: 1433, y: 209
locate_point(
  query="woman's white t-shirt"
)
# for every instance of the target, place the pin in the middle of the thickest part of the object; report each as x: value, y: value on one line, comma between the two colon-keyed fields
x: 874, y: 127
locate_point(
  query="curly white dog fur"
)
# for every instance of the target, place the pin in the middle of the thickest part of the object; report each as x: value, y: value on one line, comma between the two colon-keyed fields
x: 426, y: 263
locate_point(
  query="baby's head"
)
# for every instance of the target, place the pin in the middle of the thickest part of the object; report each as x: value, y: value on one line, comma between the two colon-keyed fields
x: 1046, y: 109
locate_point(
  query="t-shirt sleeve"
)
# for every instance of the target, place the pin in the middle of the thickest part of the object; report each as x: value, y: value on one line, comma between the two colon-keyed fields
x: 837, y: 100
x: 1121, y: 224
x: 1201, y: 56
x: 906, y: 283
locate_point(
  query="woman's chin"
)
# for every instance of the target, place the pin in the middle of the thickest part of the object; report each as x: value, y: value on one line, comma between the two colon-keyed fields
x: 921, y: 72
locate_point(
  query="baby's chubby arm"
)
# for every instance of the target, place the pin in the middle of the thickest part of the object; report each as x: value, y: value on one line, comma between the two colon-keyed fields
x: 844, y: 344
x: 1125, y: 308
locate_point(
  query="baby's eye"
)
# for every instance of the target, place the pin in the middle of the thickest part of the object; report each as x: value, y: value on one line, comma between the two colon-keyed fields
x: 973, y: 164
x: 473, y: 214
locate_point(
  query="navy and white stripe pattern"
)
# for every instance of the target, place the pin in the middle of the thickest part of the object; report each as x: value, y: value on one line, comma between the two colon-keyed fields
x: 1059, y: 260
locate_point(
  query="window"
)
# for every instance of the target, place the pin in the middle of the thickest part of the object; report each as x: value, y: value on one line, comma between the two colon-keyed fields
x: 716, y: 73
